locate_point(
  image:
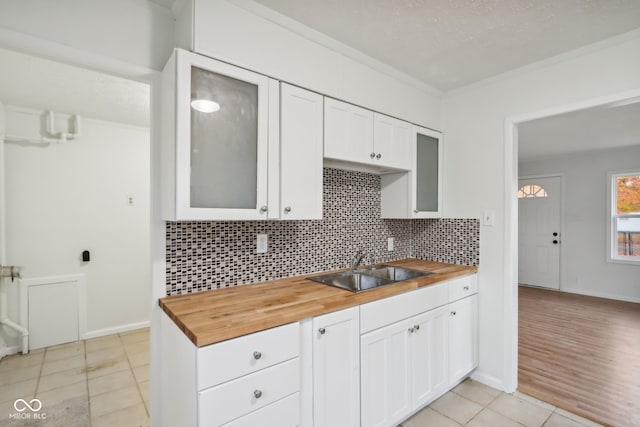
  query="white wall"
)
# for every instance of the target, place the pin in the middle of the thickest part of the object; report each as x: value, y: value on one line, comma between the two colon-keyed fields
x: 584, y: 268
x: 133, y: 31
x: 476, y: 172
x: 64, y: 198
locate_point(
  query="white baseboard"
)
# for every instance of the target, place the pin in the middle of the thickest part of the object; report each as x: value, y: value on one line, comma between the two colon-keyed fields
x: 486, y: 379
x: 115, y: 330
x: 600, y: 295
x: 8, y: 351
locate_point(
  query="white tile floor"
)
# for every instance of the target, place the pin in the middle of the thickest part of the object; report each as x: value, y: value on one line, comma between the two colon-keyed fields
x: 98, y: 382
x: 476, y: 405
x: 105, y: 382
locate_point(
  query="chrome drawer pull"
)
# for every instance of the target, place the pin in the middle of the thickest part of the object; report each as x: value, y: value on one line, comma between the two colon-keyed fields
x: 322, y: 331
x: 411, y: 330
x: 257, y: 394
x: 257, y: 355
x: 417, y: 327
x: 466, y: 288
x: 453, y: 313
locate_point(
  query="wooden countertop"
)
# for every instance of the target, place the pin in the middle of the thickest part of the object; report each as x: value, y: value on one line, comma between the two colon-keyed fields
x: 213, y: 316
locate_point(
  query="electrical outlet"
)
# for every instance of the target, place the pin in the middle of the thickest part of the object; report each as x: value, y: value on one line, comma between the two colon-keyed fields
x: 261, y: 243
x: 390, y: 244
x: 130, y: 200
x: 488, y: 217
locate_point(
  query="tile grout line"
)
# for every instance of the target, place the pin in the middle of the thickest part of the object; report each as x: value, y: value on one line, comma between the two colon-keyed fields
x: 136, y: 381
x: 86, y: 379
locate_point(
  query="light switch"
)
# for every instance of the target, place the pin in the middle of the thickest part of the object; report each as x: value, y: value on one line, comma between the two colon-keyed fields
x: 390, y: 244
x: 488, y: 217
x: 261, y: 243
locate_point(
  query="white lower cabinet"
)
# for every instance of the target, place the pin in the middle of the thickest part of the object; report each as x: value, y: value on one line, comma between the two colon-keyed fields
x: 385, y: 367
x: 252, y: 380
x: 336, y: 369
x: 404, y: 366
x: 463, y: 338
x: 371, y: 365
x: 430, y: 362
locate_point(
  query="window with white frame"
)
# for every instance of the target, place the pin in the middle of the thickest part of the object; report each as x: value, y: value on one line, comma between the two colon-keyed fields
x: 625, y: 217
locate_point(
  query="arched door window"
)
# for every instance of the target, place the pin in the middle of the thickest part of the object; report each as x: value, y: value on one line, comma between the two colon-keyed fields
x: 531, y: 191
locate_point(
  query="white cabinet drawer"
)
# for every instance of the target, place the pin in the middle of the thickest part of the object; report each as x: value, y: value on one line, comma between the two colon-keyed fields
x: 231, y: 400
x: 234, y: 358
x: 386, y: 311
x: 463, y: 287
x: 283, y: 413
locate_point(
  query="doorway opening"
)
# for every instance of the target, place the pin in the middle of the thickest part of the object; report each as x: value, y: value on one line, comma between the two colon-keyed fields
x: 583, y: 254
x: 76, y: 201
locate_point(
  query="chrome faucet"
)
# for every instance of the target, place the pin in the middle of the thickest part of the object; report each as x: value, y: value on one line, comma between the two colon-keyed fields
x: 359, y: 256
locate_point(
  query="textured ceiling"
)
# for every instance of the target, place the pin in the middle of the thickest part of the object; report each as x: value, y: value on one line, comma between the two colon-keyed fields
x: 586, y: 130
x: 452, y: 43
x: 29, y: 81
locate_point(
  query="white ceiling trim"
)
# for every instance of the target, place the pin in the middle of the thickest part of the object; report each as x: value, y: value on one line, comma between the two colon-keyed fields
x: 333, y: 44
x: 562, y: 57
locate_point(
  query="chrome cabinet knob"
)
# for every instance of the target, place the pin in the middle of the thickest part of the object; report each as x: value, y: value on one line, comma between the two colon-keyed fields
x: 453, y: 313
x: 466, y: 288
x: 411, y: 330
x: 257, y: 355
x: 416, y: 211
x: 372, y: 155
x: 379, y: 156
x: 322, y: 331
x: 287, y: 209
x: 257, y: 394
x: 417, y: 327
x: 263, y: 209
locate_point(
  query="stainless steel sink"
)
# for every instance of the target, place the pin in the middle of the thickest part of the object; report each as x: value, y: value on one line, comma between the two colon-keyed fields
x: 369, y: 278
x: 391, y: 272
x: 352, y: 281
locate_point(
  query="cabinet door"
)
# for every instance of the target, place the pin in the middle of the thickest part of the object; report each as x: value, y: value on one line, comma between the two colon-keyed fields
x: 426, y: 179
x: 336, y: 369
x: 392, y: 142
x: 386, y: 385
x: 429, y: 364
x: 300, y: 153
x: 348, y: 132
x: 220, y: 142
x: 463, y: 337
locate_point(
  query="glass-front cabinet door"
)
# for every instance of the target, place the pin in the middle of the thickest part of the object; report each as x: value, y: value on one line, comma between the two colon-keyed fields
x: 427, y: 174
x: 216, y: 156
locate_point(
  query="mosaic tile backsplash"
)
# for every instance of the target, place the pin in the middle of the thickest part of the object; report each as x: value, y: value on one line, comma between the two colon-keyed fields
x: 209, y: 255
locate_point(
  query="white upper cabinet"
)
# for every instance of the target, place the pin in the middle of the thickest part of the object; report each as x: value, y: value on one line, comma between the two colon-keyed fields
x: 392, y: 142
x: 300, y: 153
x: 356, y: 136
x: 417, y: 194
x: 215, y: 140
x: 348, y: 132
x: 426, y: 181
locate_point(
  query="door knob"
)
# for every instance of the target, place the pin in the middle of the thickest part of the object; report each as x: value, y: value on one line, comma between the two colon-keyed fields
x: 555, y: 242
x: 555, y: 233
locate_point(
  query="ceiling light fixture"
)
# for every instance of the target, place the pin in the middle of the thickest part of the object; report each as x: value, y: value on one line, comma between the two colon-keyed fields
x: 205, y: 105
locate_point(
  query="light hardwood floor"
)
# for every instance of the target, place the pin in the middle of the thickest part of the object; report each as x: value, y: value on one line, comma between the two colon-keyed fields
x: 581, y: 354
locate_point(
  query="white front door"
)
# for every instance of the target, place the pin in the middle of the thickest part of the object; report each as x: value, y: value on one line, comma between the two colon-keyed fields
x: 539, y: 232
